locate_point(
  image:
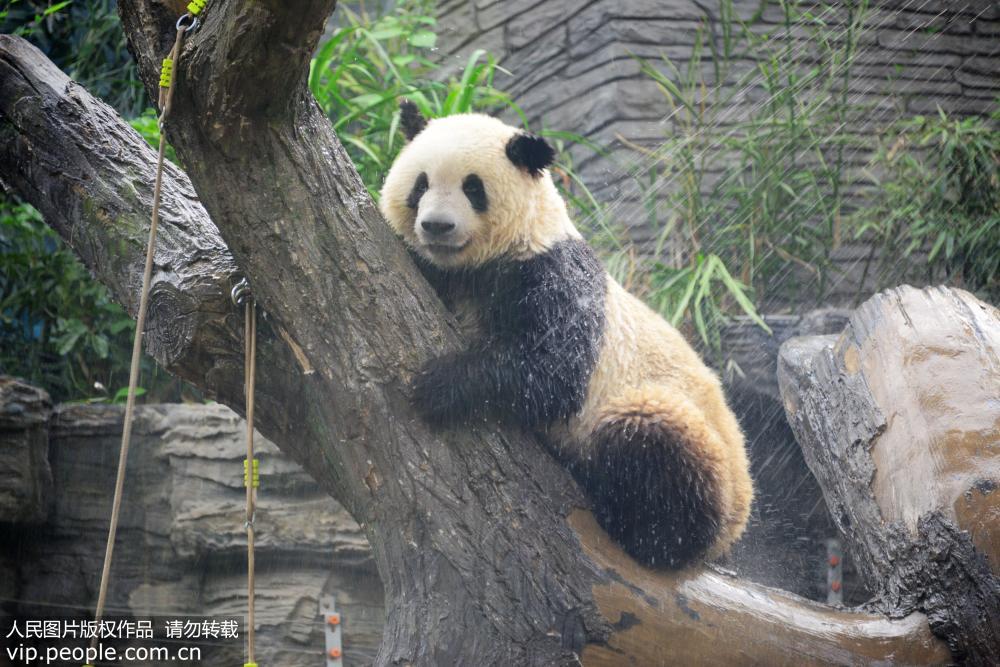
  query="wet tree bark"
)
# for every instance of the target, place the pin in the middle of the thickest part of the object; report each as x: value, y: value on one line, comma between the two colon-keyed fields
x: 898, y: 420
x: 485, y: 552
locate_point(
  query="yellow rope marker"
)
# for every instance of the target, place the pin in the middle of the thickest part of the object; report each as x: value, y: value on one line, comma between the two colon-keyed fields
x: 195, y: 6
x: 167, y: 73
x: 256, y: 473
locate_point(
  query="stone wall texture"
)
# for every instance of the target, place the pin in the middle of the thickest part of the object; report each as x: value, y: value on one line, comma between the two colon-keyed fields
x: 181, y: 542
x: 573, y: 68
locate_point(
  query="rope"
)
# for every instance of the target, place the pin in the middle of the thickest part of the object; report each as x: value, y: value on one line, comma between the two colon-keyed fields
x: 250, y: 466
x: 251, y: 473
x: 166, y: 97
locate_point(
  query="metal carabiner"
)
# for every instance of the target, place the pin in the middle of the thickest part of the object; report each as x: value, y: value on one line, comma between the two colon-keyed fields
x: 194, y: 23
x: 240, y: 292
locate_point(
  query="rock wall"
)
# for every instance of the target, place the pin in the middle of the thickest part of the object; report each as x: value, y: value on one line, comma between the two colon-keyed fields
x: 181, y: 542
x: 25, y: 474
x: 573, y: 69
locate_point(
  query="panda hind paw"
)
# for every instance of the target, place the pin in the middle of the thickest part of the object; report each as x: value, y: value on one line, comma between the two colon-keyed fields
x: 651, y: 493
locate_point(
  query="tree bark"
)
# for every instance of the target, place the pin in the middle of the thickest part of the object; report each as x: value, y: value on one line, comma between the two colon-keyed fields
x: 899, y: 421
x: 479, y: 536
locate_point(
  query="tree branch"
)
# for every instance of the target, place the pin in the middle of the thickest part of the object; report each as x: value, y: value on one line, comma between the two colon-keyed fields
x: 91, y: 175
x: 479, y: 539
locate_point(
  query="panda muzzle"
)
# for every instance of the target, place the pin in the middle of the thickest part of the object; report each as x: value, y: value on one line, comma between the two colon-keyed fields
x: 437, y: 228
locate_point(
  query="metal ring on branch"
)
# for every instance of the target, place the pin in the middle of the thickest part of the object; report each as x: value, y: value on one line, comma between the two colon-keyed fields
x: 240, y: 292
x: 187, y: 28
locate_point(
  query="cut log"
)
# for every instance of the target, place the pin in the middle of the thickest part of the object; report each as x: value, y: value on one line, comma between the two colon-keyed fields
x: 899, y: 419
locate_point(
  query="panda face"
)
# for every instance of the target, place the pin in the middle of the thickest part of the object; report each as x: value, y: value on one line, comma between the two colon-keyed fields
x: 448, y: 212
x: 467, y: 189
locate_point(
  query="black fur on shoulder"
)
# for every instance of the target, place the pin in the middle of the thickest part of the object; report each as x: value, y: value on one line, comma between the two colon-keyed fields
x: 410, y: 119
x: 531, y: 152
x: 543, y: 322
x: 439, y: 278
x: 650, y: 493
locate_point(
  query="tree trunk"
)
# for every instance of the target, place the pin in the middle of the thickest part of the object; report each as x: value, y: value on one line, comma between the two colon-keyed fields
x: 481, y: 541
x: 899, y: 421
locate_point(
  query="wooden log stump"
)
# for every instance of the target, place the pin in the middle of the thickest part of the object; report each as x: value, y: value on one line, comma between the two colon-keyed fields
x: 899, y: 419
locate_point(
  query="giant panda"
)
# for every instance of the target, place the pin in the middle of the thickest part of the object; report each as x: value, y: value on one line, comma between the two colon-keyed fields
x: 560, y: 347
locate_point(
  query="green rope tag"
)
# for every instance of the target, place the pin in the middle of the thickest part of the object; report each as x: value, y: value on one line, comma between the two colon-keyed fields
x: 256, y: 473
x: 167, y: 73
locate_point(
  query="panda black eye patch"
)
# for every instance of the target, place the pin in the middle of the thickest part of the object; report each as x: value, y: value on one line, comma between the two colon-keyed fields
x: 420, y: 186
x: 474, y: 190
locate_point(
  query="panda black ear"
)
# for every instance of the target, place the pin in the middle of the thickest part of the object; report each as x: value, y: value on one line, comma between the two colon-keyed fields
x: 531, y: 152
x: 410, y: 119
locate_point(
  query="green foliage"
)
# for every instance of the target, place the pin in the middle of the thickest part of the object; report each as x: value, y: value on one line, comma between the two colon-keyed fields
x: 59, y: 328
x: 84, y: 38
x: 755, y: 203
x: 57, y: 325
x: 936, y: 192
x: 695, y: 290
x: 742, y: 201
x: 369, y: 63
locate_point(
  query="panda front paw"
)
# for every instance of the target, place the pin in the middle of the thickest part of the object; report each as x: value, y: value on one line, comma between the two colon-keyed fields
x: 438, y: 393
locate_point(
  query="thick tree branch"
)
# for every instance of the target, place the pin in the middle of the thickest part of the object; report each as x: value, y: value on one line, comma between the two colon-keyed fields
x: 323, y: 264
x: 91, y: 177
x: 484, y: 553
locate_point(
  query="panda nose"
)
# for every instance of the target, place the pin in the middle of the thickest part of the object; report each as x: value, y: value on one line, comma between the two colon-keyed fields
x: 437, y: 227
